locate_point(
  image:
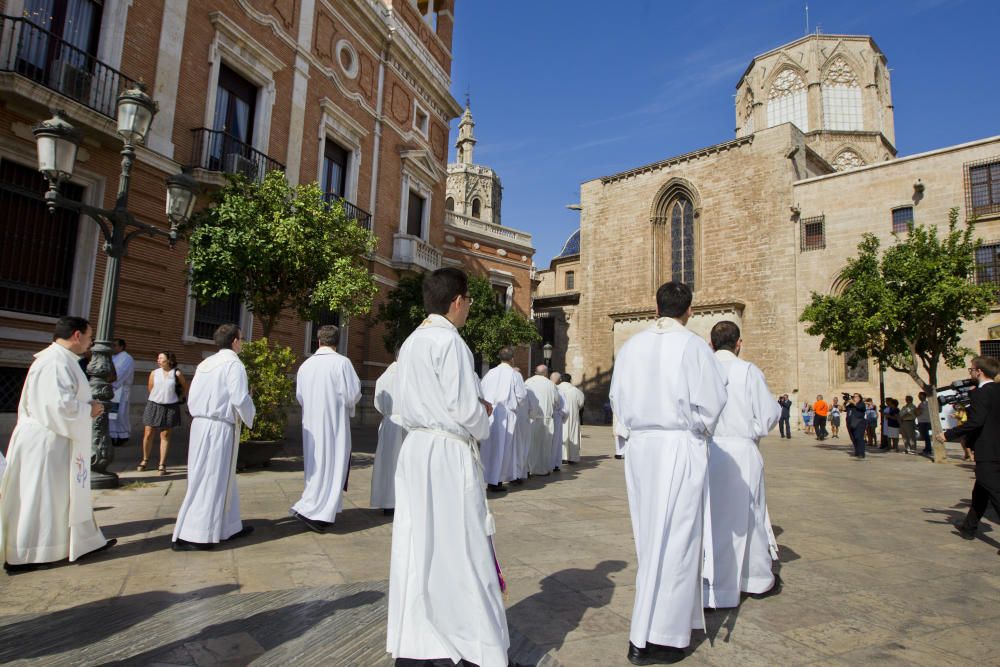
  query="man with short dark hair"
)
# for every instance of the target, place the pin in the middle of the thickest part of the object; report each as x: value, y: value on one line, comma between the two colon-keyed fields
x: 46, y: 514
x: 982, y: 423
x: 119, y: 424
x: 218, y: 400
x: 857, y: 424
x: 327, y: 387
x: 667, y: 392
x: 739, y: 541
x: 820, y: 411
x: 784, y: 421
x: 445, y: 597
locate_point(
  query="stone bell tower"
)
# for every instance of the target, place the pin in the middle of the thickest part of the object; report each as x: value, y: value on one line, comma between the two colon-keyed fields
x: 473, y: 190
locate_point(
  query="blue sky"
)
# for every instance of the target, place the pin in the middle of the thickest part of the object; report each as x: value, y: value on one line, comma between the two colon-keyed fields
x: 565, y: 91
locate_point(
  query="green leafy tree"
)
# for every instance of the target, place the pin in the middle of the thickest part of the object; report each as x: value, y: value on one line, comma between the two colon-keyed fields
x: 280, y: 247
x: 489, y: 327
x: 269, y: 374
x: 907, y: 307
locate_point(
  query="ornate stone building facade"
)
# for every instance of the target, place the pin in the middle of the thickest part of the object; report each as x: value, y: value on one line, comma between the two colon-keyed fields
x: 757, y: 223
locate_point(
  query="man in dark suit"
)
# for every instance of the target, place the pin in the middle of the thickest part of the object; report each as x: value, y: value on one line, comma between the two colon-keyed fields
x: 983, y: 425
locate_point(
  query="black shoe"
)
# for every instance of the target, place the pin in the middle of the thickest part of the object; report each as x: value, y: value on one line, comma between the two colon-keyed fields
x: 311, y: 524
x: 771, y: 592
x: 556, y: 469
x: 184, y: 545
x: 246, y: 530
x: 654, y: 654
x: 496, y: 488
x: 20, y: 568
x: 517, y: 481
x: 964, y: 531
x: 619, y: 456
x: 389, y: 511
x: 107, y: 545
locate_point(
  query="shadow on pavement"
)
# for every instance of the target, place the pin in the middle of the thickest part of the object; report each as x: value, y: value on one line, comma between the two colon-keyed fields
x: 87, y: 624
x: 127, y: 528
x: 269, y: 629
x: 548, y: 616
x: 958, y: 512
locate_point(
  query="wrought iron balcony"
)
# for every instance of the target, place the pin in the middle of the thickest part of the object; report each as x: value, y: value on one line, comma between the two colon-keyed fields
x: 362, y: 217
x: 412, y: 252
x: 216, y: 150
x: 48, y: 60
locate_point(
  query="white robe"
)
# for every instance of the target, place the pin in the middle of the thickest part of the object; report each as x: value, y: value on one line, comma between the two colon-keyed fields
x: 667, y: 392
x: 327, y: 388
x: 738, y: 536
x: 573, y: 401
x: 119, y: 424
x: 218, y: 400
x: 503, y: 387
x: 522, y: 438
x: 543, y: 400
x: 444, y: 594
x: 557, y: 431
x: 390, y: 438
x: 46, y: 513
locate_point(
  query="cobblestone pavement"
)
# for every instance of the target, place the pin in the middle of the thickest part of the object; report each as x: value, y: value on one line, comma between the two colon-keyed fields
x: 872, y: 571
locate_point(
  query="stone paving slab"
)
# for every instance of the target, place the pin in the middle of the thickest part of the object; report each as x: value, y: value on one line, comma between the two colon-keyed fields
x: 873, y: 572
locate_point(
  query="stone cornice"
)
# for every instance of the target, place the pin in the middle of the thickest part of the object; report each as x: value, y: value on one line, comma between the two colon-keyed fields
x: 686, y: 157
x: 228, y: 28
x: 697, y: 309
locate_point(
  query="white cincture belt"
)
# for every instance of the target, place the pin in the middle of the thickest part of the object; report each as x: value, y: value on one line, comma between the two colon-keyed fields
x: 491, y: 527
x: 213, y: 419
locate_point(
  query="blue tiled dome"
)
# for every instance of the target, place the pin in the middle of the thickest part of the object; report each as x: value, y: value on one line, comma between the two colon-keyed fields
x: 572, y: 245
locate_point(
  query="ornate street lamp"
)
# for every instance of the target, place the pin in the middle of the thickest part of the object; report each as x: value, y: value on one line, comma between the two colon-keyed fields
x: 57, y: 142
x: 547, y: 353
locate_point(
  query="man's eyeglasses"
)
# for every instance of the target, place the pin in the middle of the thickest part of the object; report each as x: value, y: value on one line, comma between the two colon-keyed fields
x: 468, y: 298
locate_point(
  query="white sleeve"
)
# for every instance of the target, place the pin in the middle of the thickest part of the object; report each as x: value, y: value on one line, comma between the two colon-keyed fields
x: 707, y: 389
x: 239, y: 394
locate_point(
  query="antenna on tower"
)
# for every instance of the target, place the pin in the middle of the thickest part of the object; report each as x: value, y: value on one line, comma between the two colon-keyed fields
x: 467, y: 95
x: 807, y: 20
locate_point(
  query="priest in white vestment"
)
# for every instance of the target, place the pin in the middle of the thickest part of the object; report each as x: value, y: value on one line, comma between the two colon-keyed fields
x: 504, y: 389
x: 45, y: 508
x: 667, y: 391
x: 573, y: 401
x: 739, y: 542
x: 522, y: 436
x: 327, y: 387
x: 390, y: 438
x: 445, y: 598
x: 544, y: 399
x: 218, y: 400
x: 119, y: 423
x: 558, y: 415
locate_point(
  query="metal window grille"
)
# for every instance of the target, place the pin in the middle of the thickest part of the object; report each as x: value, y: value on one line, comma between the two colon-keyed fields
x: 11, y: 382
x: 988, y: 265
x: 982, y: 186
x: 38, y: 249
x: 902, y: 219
x: 990, y: 348
x: 208, y: 316
x: 813, y: 232
x: 326, y: 317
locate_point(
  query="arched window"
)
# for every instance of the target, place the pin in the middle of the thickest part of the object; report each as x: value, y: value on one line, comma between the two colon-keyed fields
x: 841, y: 98
x: 449, y: 204
x: 674, y: 235
x: 476, y: 207
x: 570, y: 280
x: 682, y: 242
x: 786, y: 101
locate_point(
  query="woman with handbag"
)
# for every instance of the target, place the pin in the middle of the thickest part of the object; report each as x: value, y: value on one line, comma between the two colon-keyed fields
x: 167, y: 387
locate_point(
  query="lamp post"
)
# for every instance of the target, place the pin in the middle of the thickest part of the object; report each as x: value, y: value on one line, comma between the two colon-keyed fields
x: 547, y: 354
x: 57, y: 141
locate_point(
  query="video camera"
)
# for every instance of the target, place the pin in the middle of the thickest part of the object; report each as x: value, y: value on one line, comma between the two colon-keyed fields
x: 956, y: 394
x: 847, y: 396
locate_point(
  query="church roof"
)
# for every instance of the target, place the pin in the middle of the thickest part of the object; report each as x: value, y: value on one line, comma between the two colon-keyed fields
x: 572, y: 245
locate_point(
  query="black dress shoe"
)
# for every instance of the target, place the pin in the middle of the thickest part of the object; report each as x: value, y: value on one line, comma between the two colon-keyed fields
x: 517, y: 481
x: 184, y: 545
x: 772, y: 591
x: 619, y: 456
x: 496, y: 488
x: 311, y: 524
x: 388, y: 511
x: 19, y: 568
x: 654, y: 654
x: 964, y: 531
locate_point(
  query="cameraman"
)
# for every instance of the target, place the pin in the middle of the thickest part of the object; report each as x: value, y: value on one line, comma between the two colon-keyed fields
x: 983, y: 424
x: 856, y: 424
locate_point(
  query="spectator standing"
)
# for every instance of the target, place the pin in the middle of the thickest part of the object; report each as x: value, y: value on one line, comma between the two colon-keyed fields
x: 166, y: 386
x: 119, y: 422
x: 835, y: 418
x: 807, y: 417
x: 784, y: 422
x: 820, y: 411
x: 857, y: 424
x: 908, y: 425
x: 871, y: 421
x: 924, y: 424
x: 891, y: 427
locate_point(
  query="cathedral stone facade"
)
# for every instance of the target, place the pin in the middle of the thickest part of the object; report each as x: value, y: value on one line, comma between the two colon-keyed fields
x: 758, y: 223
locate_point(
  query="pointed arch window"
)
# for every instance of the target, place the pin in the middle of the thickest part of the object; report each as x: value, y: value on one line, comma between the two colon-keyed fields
x: 682, y: 241
x: 476, y: 207
x: 842, y: 108
x: 786, y: 101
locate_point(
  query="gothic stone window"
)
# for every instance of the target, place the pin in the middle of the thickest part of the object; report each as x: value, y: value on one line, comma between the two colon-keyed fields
x: 982, y: 188
x: 842, y: 108
x: 674, y: 235
x: 855, y: 367
x: 786, y: 101
x: 477, y: 207
x: 682, y: 242
x: 813, y: 232
x: 988, y: 264
x: 902, y: 219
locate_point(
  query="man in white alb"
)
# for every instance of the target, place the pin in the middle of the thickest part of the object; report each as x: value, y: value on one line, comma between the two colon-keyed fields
x: 543, y: 400
x: 573, y: 400
x: 327, y: 387
x: 667, y: 391
x: 739, y: 543
x: 445, y: 598
x: 218, y: 400
x: 390, y: 438
x: 119, y: 424
x: 504, y: 389
x: 558, y: 416
x: 46, y: 513
x: 522, y: 436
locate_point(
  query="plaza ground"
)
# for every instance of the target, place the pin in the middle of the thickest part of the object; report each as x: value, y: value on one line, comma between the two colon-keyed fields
x: 873, y: 572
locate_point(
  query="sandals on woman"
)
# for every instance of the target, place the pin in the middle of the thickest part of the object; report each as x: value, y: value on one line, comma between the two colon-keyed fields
x: 142, y: 465
x: 162, y: 469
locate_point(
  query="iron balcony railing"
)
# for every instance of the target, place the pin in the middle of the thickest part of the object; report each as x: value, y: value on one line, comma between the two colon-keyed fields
x: 362, y: 217
x: 216, y: 150
x: 48, y: 60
